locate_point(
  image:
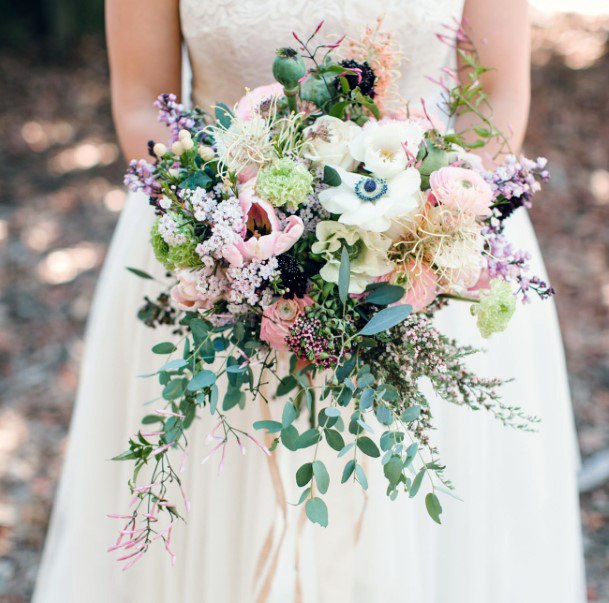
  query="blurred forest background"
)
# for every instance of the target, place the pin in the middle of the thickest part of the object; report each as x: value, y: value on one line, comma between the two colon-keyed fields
x: 61, y: 194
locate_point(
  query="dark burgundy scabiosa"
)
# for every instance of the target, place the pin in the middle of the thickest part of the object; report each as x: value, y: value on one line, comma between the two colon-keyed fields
x: 292, y: 276
x: 363, y: 76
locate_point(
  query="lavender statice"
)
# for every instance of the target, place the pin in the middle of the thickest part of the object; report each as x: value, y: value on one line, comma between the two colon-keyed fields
x: 140, y: 178
x: 515, y: 182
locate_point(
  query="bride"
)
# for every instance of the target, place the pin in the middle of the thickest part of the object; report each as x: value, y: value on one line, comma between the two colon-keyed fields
x: 515, y: 537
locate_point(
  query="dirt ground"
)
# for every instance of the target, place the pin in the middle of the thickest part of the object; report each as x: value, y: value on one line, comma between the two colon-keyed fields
x: 60, y: 196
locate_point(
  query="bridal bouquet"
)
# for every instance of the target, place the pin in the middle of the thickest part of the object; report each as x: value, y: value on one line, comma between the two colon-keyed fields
x: 313, y: 221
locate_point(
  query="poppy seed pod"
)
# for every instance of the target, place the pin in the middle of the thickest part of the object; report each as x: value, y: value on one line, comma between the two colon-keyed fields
x: 288, y: 68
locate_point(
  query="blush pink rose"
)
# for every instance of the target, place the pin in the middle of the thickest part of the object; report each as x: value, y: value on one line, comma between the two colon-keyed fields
x: 279, y: 317
x: 263, y: 236
x: 421, y: 289
x: 248, y: 104
x: 462, y: 189
x: 186, y: 296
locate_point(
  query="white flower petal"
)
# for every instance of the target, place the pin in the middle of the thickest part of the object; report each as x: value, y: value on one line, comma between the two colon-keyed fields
x: 337, y: 200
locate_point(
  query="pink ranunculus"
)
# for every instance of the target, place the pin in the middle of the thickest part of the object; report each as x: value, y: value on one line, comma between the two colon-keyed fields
x: 263, y: 236
x: 421, y: 288
x: 248, y: 104
x: 279, y: 317
x: 462, y: 189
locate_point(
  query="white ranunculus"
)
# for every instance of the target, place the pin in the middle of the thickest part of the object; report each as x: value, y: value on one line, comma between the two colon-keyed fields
x: 370, y: 202
x: 381, y: 145
x: 327, y: 142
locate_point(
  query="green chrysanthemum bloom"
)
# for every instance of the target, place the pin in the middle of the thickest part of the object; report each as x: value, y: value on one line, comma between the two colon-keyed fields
x: 284, y: 182
x: 184, y: 256
x: 495, y: 309
x: 174, y: 256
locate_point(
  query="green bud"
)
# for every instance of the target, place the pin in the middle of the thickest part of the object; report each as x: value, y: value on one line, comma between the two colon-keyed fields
x: 288, y: 68
x: 315, y: 90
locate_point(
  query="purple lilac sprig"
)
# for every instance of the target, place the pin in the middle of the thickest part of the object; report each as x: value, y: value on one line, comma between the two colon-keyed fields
x: 172, y: 113
x: 511, y: 264
x: 515, y: 182
x: 140, y: 178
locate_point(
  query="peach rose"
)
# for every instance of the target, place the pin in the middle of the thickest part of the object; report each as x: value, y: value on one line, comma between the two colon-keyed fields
x: 279, y: 317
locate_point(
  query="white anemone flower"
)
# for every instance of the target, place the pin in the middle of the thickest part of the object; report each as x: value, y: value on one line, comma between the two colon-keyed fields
x: 369, y: 202
x: 387, y: 146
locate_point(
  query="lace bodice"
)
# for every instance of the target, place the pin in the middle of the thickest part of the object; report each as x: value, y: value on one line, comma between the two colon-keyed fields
x: 231, y: 43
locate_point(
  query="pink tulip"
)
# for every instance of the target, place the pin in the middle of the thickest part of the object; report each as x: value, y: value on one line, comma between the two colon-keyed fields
x: 462, y: 189
x: 247, y: 106
x: 262, y: 236
x: 279, y: 317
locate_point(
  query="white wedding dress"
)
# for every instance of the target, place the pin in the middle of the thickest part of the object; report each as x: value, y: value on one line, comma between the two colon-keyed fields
x: 515, y: 538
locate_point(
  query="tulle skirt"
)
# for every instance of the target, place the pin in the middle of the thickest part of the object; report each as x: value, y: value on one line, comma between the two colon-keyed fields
x: 514, y: 536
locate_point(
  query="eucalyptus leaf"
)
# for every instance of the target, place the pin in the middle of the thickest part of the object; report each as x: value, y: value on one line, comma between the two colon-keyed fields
x: 223, y: 114
x: 308, y: 438
x: 416, y: 483
x: 270, y: 426
x: 335, y: 439
x: 361, y: 476
x: 386, y: 318
x: 232, y: 398
x: 289, y: 414
x: 411, y: 414
x: 331, y: 176
x: 393, y: 470
x: 305, y: 494
x: 140, y: 273
x: 348, y: 471
x: 368, y: 447
x: 317, y: 511
x: 304, y: 474
x: 165, y: 347
x: 366, y: 399
x: 174, y: 389
x: 174, y: 365
x: 289, y: 437
x: 286, y: 385
x: 346, y: 449
x: 201, y: 380
x: 434, y: 508
x: 322, y: 477
x: 344, y: 274
x: 385, y: 295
